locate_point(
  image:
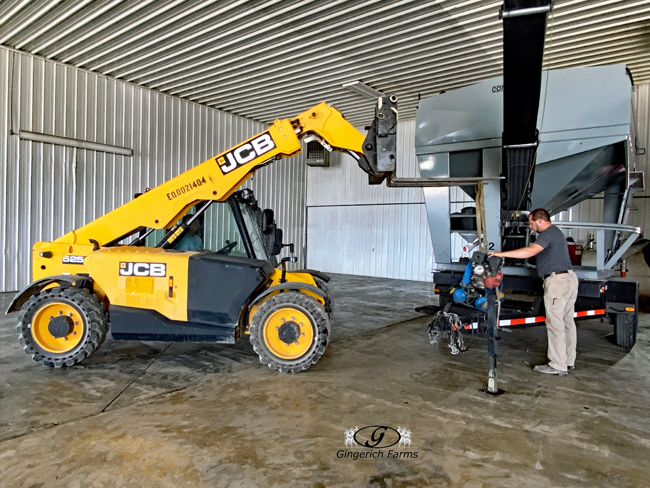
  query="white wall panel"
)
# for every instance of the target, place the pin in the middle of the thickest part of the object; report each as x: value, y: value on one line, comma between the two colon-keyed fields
x: 387, y: 241
x: 355, y: 228
x: 48, y: 190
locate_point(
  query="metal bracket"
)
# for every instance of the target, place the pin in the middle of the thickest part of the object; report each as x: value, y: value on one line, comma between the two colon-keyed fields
x: 601, y: 262
x: 437, y: 182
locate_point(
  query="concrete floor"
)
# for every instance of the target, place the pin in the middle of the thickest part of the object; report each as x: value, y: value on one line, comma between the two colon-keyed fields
x: 160, y: 414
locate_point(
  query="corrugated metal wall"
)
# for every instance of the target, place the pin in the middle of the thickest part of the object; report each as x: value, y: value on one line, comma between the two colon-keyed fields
x: 355, y: 228
x: 48, y: 190
x: 387, y: 241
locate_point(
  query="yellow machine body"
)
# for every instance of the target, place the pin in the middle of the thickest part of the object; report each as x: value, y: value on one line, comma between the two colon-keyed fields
x: 161, y: 285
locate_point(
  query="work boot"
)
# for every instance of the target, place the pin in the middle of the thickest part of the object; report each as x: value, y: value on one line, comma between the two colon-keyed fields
x: 570, y: 367
x: 547, y: 369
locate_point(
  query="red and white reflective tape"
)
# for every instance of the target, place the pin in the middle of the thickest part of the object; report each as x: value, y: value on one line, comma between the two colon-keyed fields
x: 588, y: 313
x: 527, y: 320
x: 535, y: 320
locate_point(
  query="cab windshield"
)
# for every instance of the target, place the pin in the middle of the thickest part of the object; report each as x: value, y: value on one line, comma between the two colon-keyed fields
x: 217, y: 230
x: 252, y: 223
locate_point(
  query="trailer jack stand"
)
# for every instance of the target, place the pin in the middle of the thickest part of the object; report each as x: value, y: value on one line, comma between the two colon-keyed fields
x: 493, y: 337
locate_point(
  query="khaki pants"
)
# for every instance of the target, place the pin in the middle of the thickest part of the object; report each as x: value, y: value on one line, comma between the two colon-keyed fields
x: 560, y: 293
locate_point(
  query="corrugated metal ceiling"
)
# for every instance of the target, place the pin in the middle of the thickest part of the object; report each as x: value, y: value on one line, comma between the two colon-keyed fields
x: 266, y: 59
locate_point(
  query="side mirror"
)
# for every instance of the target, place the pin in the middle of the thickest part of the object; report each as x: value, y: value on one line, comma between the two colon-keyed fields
x: 276, y: 241
x: 267, y: 221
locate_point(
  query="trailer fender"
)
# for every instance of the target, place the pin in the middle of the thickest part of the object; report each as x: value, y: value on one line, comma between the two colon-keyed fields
x: 621, y: 295
x: 37, y: 286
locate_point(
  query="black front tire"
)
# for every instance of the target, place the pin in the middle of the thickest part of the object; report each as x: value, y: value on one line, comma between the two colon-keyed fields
x: 94, y: 325
x: 329, y: 303
x: 288, y: 303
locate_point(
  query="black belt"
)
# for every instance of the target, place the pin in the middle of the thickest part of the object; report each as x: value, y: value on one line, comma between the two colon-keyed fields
x: 554, y: 273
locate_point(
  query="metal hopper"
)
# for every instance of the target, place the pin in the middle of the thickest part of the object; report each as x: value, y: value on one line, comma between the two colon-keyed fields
x: 584, y: 125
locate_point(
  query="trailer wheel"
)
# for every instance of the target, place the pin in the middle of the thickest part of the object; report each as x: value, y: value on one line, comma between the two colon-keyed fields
x: 61, y: 326
x: 290, y: 332
x: 625, y: 325
x: 329, y: 304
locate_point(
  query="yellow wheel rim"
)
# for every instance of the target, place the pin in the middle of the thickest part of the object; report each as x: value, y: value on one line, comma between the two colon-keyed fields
x: 41, y: 330
x: 288, y: 333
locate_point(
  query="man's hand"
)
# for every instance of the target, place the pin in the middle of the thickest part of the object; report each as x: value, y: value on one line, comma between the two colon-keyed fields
x: 496, y: 253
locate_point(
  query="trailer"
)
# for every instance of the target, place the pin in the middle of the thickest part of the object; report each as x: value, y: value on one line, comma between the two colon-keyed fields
x: 532, y: 138
x: 585, y: 148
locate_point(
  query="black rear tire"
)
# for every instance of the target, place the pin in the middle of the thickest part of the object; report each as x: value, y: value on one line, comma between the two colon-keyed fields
x: 625, y: 326
x: 85, y: 337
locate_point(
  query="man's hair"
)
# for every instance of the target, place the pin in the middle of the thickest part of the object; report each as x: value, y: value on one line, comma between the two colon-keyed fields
x: 187, y: 217
x: 540, y: 213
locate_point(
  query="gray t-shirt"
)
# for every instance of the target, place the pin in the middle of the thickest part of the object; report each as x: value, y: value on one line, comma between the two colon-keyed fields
x: 555, y: 256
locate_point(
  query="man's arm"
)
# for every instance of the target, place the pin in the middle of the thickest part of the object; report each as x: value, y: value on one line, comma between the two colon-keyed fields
x: 521, y: 253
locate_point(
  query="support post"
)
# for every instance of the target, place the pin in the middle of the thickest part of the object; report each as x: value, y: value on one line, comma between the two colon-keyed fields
x: 493, y: 337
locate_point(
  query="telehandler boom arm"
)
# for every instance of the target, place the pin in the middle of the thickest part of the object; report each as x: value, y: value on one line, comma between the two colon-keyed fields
x: 217, y: 178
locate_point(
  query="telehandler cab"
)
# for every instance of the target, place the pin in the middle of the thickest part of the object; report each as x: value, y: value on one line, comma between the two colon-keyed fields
x: 122, y: 271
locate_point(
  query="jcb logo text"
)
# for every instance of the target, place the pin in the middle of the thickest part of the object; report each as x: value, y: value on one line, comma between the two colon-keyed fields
x: 156, y: 270
x: 246, y: 153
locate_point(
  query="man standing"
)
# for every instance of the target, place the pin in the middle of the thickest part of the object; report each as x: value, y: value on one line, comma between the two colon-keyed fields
x: 560, y: 290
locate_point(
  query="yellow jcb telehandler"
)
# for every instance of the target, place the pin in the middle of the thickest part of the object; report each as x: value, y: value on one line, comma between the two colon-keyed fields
x: 193, y: 260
